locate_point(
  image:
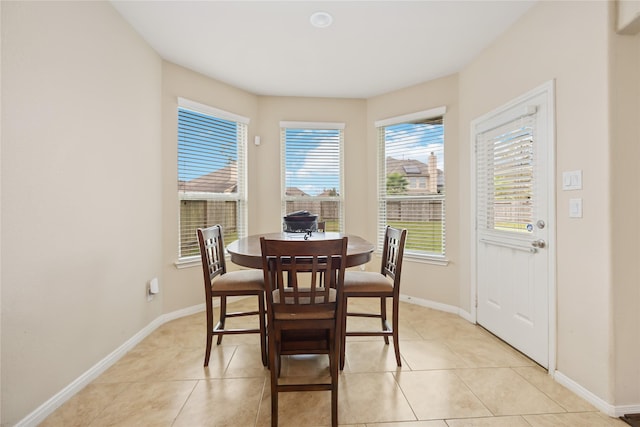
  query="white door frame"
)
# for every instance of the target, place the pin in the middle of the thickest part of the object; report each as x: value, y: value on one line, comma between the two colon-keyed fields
x: 547, y: 88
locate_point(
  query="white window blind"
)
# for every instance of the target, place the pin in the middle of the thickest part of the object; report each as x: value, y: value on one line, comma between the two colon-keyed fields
x: 312, y: 170
x: 411, y: 181
x: 211, y: 173
x: 505, y: 187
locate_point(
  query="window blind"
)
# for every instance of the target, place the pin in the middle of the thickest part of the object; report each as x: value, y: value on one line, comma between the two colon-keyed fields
x: 211, y: 176
x: 505, y: 161
x: 312, y: 171
x: 411, y: 183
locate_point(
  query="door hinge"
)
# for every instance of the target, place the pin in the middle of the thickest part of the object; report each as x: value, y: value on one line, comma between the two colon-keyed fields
x: 476, y: 300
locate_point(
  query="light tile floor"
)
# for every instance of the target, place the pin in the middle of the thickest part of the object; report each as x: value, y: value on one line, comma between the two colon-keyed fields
x: 454, y: 374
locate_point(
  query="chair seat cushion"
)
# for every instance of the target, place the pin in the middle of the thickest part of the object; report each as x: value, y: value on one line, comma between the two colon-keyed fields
x: 366, y: 281
x: 320, y: 310
x: 239, y: 280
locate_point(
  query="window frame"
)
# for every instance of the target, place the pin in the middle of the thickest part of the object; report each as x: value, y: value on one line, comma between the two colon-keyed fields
x: 240, y: 196
x: 383, y: 197
x: 284, y: 125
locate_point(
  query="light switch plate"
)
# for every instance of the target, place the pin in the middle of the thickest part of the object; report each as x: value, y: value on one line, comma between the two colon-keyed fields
x: 572, y: 180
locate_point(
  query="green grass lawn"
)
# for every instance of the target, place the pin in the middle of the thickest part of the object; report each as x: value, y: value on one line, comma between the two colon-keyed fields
x: 422, y: 236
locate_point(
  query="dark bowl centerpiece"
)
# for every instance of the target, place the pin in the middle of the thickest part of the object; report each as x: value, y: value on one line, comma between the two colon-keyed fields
x: 300, y: 222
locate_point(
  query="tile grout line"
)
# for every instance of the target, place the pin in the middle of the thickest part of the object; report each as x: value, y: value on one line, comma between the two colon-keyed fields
x: 185, y: 401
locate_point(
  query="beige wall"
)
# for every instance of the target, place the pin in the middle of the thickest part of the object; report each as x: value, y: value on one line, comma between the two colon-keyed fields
x: 628, y: 16
x: 1, y: 29
x: 89, y: 160
x: 625, y: 212
x: 184, y: 287
x: 81, y: 230
x: 549, y: 43
x: 433, y: 283
x: 264, y: 174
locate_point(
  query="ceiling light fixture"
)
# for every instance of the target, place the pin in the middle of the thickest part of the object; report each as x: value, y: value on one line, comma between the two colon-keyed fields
x: 321, y: 19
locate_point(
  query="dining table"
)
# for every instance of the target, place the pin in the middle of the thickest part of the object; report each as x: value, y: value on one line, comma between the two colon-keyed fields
x: 246, y: 251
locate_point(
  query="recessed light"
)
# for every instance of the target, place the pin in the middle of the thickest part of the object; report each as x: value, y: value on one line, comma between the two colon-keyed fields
x: 321, y: 19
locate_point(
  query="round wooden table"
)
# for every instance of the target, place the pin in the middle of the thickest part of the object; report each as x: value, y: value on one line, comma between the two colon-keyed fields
x: 247, y: 253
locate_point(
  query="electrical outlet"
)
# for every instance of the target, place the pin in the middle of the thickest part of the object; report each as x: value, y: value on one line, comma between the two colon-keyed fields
x: 575, y: 208
x: 153, y: 288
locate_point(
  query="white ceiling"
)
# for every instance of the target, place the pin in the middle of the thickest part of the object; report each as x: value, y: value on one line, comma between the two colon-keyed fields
x: 270, y: 48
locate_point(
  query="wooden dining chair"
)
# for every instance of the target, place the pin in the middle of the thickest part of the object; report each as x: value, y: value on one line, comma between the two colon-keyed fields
x: 219, y: 283
x: 382, y: 285
x: 304, y: 312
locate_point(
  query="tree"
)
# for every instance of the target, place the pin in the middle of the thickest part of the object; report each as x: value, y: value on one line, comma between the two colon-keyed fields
x: 396, y: 183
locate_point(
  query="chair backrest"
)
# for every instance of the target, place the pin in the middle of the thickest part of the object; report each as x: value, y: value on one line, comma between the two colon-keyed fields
x: 293, y: 293
x: 392, y: 253
x: 212, y: 253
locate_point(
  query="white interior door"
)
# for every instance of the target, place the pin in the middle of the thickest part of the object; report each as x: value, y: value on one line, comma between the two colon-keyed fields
x: 514, y: 227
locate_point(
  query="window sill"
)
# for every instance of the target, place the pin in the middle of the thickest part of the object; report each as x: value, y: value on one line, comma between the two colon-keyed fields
x: 188, y: 262
x: 433, y: 260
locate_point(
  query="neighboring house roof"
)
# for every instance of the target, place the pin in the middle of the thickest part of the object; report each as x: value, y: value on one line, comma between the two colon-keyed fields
x: 409, y: 167
x: 414, y: 168
x: 223, y: 180
x: 295, y: 191
x: 328, y: 192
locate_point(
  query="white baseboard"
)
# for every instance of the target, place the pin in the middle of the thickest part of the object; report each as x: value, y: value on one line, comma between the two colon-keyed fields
x: 186, y: 312
x: 48, y: 407
x: 438, y: 306
x: 621, y: 410
x: 429, y: 304
x: 466, y: 316
x: 601, y: 405
x: 596, y: 401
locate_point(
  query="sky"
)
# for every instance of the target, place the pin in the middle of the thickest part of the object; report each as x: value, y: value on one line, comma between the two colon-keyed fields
x: 312, y: 155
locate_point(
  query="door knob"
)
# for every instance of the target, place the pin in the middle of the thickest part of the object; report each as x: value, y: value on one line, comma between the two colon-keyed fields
x: 539, y: 243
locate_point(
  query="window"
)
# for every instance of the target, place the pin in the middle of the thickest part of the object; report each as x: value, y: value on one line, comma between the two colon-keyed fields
x: 312, y: 170
x: 211, y: 173
x: 411, y: 181
x: 506, y: 191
